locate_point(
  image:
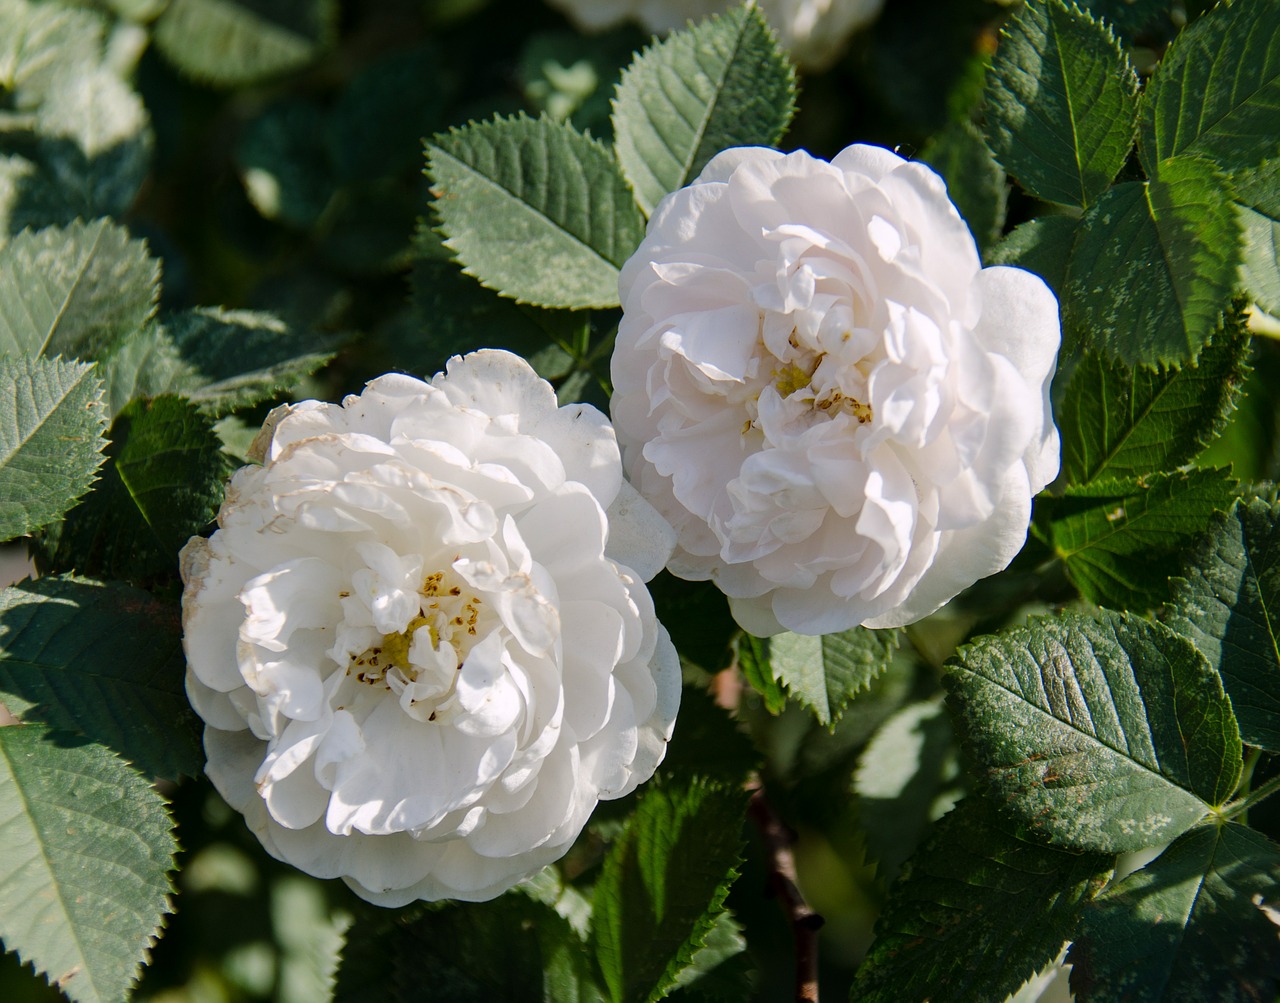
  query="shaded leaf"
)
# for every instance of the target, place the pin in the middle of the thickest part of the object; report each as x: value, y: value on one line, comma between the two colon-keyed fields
x: 535, y: 210
x: 284, y: 163
x: 1128, y: 15
x: 825, y: 673
x: 1041, y: 245
x: 1197, y: 923
x: 975, y: 182
x: 976, y: 912
x: 757, y: 669
x: 1111, y: 734
x: 104, y: 660
x: 722, y: 83
x: 1258, y: 205
x: 713, y: 974
x: 1228, y: 603
x: 51, y: 438
x: 83, y: 879
x: 1062, y: 103
x: 708, y: 743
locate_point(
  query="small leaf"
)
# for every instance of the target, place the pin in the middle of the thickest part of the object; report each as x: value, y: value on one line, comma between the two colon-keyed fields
x: 535, y: 210
x: 1155, y: 264
x: 1062, y: 103
x: 51, y: 438
x: 163, y: 483
x: 1197, y: 923
x: 757, y: 669
x: 83, y: 879
x: 663, y: 885
x: 1041, y: 245
x: 976, y: 912
x: 1122, y: 540
x: 104, y: 660
x: 1228, y: 603
x: 1216, y: 92
x: 75, y: 290
x: 1258, y: 205
x: 1121, y: 422
x: 231, y: 43
x: 1111, y: 734
x: 722, y: 83
x: 975, y: 182
x: 825, y: 673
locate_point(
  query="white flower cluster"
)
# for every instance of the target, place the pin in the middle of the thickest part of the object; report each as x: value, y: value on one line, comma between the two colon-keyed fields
x: 841, y: 412
x: 422, y: 649
x: 815, y: 32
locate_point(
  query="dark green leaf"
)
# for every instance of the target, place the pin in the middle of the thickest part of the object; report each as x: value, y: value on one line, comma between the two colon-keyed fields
x: 1216, y: 92
x: 1111, y: 734
x: 976, y: 912
x: 102, y: 659
x: 1040, y: 245
x: 1155, y: 265
x: 1198, y: 923
x: 74, y: 290
x: 1121, y: 540
x: 1258, y: 204
x: 1062, y: 103
x: 1129, y: 16
x: 721, y: 83
x: 663, y: 886
x: 535, y: 210
x: 825, y: 673
x: 83, y: 877
x: 163, y: 483
x: 51, y: 438
x: 757, y: 669
x: 1229, y: 605
x: 708, y: 742
x: 284, y: 163
x: 975, y: 182
x: 712, y: 975
x: 1121, y: 422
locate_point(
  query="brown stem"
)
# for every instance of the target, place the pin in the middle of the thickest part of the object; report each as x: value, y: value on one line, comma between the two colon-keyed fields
x: 805, y: 923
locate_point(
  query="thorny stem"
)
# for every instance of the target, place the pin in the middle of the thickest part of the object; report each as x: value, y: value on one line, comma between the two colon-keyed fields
x: 805, y: 923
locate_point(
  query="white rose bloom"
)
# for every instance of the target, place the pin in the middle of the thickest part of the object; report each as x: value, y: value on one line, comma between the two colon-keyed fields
x: 813, y: 31
x: 421, y: 648
x: 843, y: 414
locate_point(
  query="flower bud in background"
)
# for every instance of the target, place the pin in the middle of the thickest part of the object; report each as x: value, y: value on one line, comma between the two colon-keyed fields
x: 420, y: 639
x: 843, y: 414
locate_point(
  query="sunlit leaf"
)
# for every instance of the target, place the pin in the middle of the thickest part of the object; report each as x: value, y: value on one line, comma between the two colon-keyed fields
x: 1258, y: 204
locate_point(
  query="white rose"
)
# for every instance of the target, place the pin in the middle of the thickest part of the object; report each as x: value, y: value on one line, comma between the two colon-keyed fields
x: 841, y: 412
x: 813, y: 31
x: 421, y: 649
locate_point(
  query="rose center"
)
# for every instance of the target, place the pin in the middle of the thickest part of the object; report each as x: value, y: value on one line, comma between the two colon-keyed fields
x: 794, y: 380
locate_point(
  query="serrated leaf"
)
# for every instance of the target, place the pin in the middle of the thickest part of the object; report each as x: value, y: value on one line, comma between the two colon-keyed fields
x: 722, y: 83
x: 975, y: 913
x: 1041, y: 245
x: 1062, y: 103
x: 535, y: 210
x: 51, y: 437
x: 1111, y: 734
x: 754, y: 663
x: 83, y: 879
x: 1154, y: 265
x: 105, y: 660
x: 39, y: 41
x: 162, y: 484
x: 712, y: 975
x: 231, y: 43
x: 1228, y: 603
x: 1121, y: 540
x: 1121, y: 422
x: 1258, y: 205
x: 975, y: 182
x: 663, y: 885
x: 1216, y: 92
x: 1197, y: 923
x: 75, y: 290
x: 144, y: 364
x: 825, y: 673
x: 1128, y: 15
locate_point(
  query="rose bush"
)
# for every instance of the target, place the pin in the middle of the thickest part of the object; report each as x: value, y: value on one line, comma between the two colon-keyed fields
x: 815, y: 32
x: 843, y: 414
x: 421, y: 648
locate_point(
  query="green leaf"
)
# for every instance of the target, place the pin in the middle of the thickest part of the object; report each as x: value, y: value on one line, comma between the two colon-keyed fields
x: 1062, y: 103
x: 40, y: 41
x: 976, y: 912
x: 663, y: 885
x: 83, y: 879
x: 75, y: 290
x: 1122, y: 540
x: 145, y: 364
x: 231, y: 43
x: 1216, y: 92
x: 708, y: 743
x: 975, y: 182
x: 1258, y: 205
x: 710, y: 975
x: 1129, y: 16
x: 1121, y: 422
x: 51, y: 438
x: 163, y: 483
x: 757, y: 669
x: 284, y: 163
x: 1228, y: 603
x: 1155, y: 265
x: 534, y: 210
x: 722, y: 83
x: 825, y: 673
x: 1111, y: 734
x: 1197, y: 923
x: 1041, y: 245
x: 104, y: 660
